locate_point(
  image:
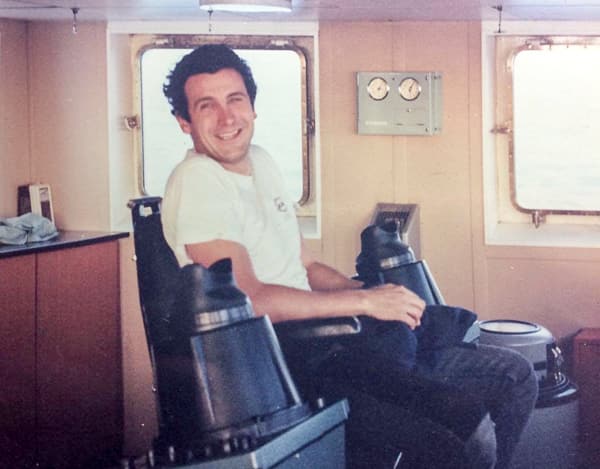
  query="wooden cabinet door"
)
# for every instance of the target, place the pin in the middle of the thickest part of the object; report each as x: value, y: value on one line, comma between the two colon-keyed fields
x: 79, y: 384
x: 587, y: 376
x: 17, y: 361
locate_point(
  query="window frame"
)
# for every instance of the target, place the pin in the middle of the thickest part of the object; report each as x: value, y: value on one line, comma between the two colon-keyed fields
x: 303, y: 45
x: 558, y: 231
x: 507, y: 49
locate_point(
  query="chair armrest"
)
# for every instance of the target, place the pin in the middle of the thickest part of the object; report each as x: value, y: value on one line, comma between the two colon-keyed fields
x: 319, y: 328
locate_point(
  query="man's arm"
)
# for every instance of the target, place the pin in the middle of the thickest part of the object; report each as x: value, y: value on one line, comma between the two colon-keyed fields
x: 389, y: 302
x: 321, y: 277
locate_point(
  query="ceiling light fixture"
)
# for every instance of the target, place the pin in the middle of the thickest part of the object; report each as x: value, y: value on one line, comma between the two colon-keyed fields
x: 247, y: 6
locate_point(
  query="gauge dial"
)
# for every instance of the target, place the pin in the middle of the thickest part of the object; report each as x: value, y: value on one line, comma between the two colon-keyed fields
x: 409, y: 89
x: 378, y: 88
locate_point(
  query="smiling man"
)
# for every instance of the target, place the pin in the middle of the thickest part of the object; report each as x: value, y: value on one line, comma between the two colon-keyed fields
x: 227, y: 199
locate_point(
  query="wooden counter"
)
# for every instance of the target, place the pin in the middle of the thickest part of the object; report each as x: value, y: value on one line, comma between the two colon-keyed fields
x: 65, y: 239
x: 60, y: 342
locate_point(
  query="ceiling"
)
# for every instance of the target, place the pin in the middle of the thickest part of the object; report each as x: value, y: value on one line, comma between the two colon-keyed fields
x: 307, y: 10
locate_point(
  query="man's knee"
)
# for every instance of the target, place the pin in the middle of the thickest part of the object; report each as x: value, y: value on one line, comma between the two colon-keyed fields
x: 525, y: 382
x: 512, y: 375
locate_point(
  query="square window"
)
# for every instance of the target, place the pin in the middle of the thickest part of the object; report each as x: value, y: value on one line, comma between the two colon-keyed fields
x: 281, y: 73
x: 556, y: 134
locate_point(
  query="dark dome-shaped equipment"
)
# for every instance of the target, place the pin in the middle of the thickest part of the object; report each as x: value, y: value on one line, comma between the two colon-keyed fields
x: 222, y: 379
x: 384, y: 258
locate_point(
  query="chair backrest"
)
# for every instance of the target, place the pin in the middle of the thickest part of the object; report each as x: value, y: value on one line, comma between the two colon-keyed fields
x: 210, y: 381
x: 158, y: 280
x: 157, y: 268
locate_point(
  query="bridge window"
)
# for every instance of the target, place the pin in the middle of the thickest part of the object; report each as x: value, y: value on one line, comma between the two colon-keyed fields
x: 548, y: 123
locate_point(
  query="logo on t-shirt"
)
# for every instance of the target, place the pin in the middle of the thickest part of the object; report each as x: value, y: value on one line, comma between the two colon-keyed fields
x: 280, y: 204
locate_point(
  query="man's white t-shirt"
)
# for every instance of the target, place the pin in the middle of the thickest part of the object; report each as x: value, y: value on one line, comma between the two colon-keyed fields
x: 203, y: 202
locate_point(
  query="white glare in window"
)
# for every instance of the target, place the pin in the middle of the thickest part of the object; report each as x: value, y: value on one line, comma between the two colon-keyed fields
x: 557, y: 128
x: 278, y: 127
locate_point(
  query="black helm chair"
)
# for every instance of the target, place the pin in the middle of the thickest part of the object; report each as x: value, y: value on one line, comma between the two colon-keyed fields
x: 224, y: 392
x: 175, y: 315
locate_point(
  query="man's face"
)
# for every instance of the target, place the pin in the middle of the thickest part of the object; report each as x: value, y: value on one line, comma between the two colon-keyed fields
x: 221, y: 118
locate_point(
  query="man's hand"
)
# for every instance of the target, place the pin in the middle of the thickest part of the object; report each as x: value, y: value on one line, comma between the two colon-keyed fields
x: 388, y: 302
x: 394, y: 303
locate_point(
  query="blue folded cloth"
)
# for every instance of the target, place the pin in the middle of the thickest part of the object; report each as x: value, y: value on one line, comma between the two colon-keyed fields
x: 27, y: 228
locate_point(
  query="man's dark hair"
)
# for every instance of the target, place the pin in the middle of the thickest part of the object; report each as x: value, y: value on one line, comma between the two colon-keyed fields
x: 209, y: 58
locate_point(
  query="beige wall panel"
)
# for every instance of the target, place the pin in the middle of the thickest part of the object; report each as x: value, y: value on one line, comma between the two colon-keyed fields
x: 474, y: 112
x: 122, y: 160
x: 140, y: 420
x: 438, y: 167
x: 359, y: 171
x: 139, y: 405
x: 561, y: 294
x: 14, y: 114
x: 356, y: 170
x: 69, y: 136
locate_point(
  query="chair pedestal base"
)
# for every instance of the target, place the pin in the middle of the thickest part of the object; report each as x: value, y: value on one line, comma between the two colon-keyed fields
x: 317, y: 442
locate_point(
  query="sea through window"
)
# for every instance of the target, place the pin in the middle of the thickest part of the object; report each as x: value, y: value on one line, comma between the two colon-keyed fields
x: 548, y: 118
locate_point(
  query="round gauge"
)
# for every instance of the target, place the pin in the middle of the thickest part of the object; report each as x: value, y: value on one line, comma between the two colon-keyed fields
x: 378, y: 88
x: 409, y: 89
